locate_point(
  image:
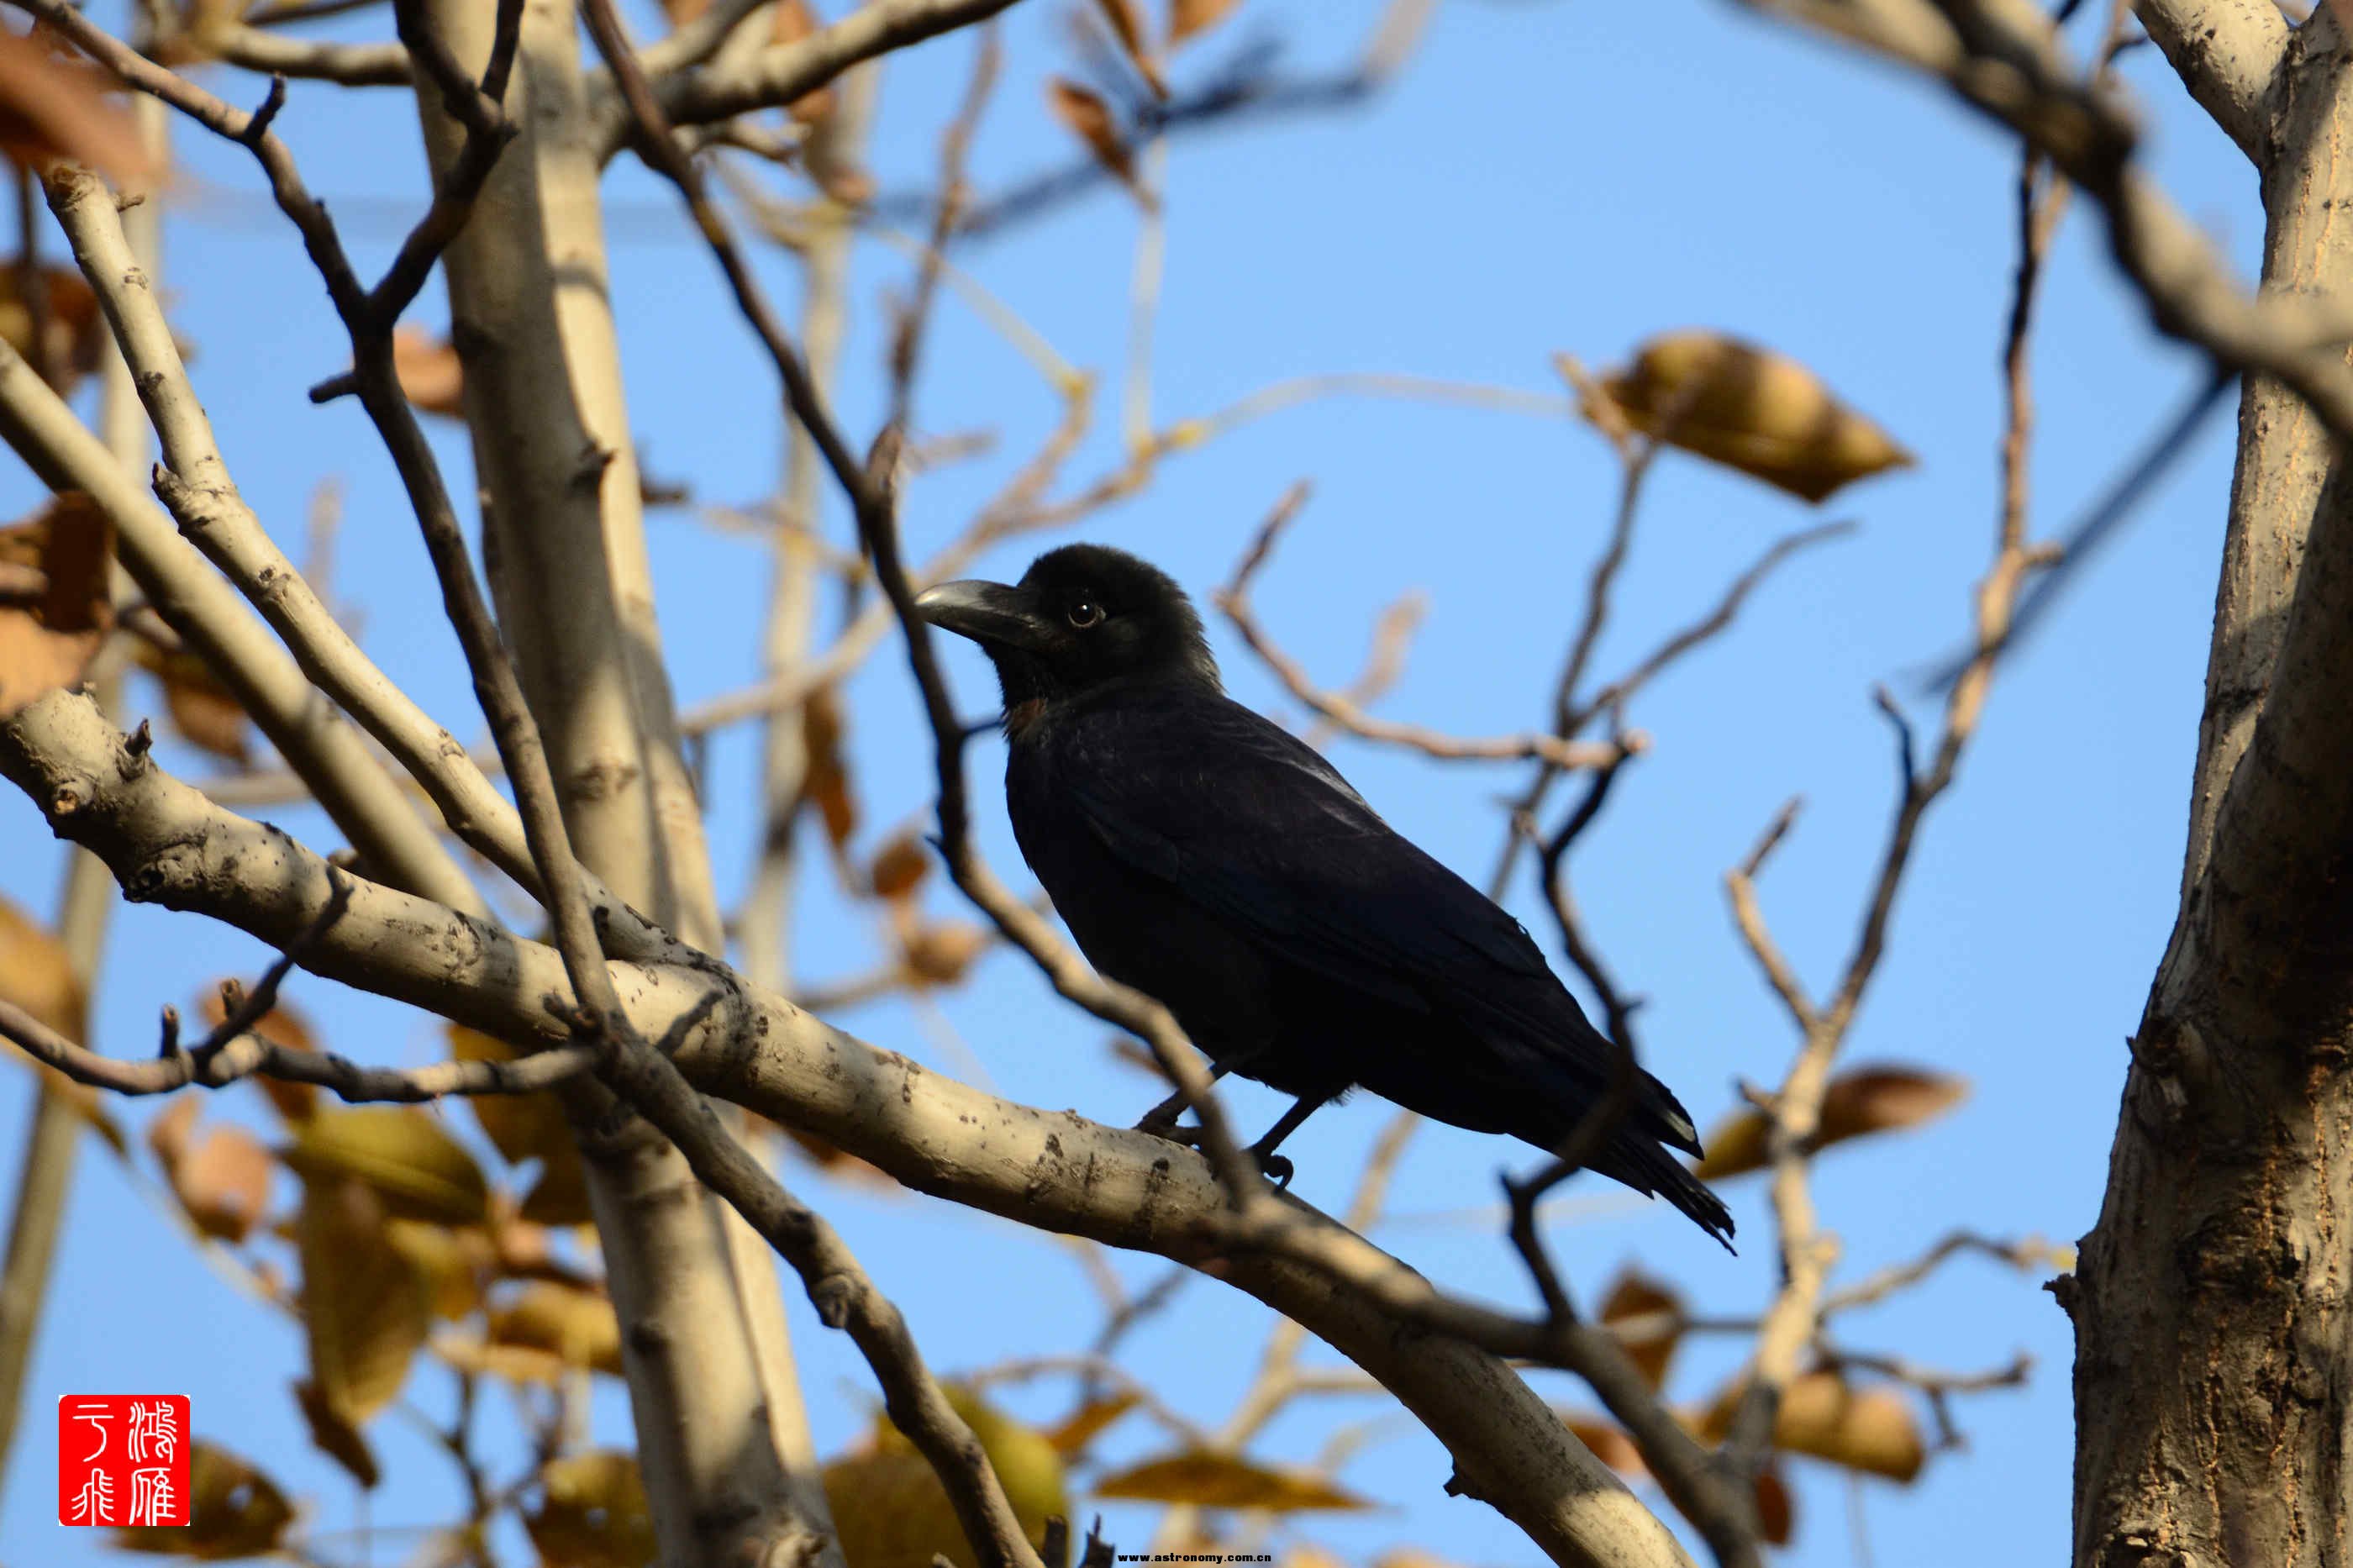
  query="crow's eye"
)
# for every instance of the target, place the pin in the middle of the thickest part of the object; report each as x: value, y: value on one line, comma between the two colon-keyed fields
x: 1085, y: 613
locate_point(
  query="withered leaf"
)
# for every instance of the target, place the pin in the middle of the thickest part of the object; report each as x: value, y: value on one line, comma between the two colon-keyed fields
x: 71, y: 335
x: 1209, y: 1480
x: 1751, y: 409
x: 900, y: 866
x: 336, y: 1438
x: 48, y: 642
x: 401, y: 1154
x: 431, y: 374
x: 1879, y: 1098
x: 55, y: 105
x: 234, y: 1511
x: 366, y: 1304
x: 281, y: 1027
x: 1085, y: 115
x: 202, y: 712
x: 592, y: 1512
x: 1191, y: 18
x: 1635, y: 1301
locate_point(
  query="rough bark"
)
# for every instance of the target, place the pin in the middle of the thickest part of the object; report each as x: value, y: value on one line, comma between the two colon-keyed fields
x: 2214, y: 1362
x: 712, y: 1385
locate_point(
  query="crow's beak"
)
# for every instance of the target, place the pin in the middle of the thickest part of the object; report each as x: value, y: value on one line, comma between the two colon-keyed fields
x: 990, y: 613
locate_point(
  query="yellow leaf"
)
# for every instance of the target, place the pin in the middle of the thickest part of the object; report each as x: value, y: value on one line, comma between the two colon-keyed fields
x: 234, y: 1511
x: 36, y: 972
x: 401, y: 1152
x: 455, y: 1262
x: 1881, y: 1097
x: 521, y: 1126
x: 365, y: 1304
x: 1750, y: 409
x: 577, y: 1326
x: 1083, y: 1426
x: 1209, y: 1480
x: 592, y: 1512
x: 891, y: 1513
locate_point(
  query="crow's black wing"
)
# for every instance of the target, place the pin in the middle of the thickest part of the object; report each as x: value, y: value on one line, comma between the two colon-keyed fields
x: 1253, y: 827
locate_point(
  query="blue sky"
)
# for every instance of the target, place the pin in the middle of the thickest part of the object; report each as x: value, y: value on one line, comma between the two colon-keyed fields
x: 1543, y: 177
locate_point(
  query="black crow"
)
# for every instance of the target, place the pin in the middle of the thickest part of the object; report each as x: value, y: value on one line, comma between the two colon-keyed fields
x: 1208, y: 857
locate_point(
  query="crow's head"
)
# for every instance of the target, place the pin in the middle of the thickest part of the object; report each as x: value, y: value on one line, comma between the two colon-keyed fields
x: 1082, y: 617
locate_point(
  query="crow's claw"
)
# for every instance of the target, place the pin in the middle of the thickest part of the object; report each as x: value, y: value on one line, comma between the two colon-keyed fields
x: 1276, y: 1168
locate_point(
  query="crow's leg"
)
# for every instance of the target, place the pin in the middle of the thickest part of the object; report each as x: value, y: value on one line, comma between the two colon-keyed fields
x: 1161, y: 1119
x: 1277, y: 1168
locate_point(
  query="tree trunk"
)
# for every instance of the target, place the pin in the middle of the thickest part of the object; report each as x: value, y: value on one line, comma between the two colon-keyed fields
x: 721, y: 1435
x: 2214, y: 1332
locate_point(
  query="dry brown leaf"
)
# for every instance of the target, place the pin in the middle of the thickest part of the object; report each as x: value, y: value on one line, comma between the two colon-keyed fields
x: 431, y: 374
x: 1879, y: 1098
x: 1083, y: 1426
x: 794, y: 22
x: 282, y: 1027
x: 222, y: 1180
x: 1086, y: 116
x: 592, y: 1513
x: 36, y: 975
x: 1209, y: 1480
x: 366, y: 1305
x: 1870, y: 1429
x: 48, y: 643
x: 937, y: 952
x: 36, y: 972
x: 336, y: 1438
x: 1127, y: 27
x: 234, y: 1511
x: 72, y: 334
x: 827, y: 782
x: 202, y: 710
x: 55, y: 105
x: 1636, y: 1295
x: 839, y: 1163
x: 1776, y: 1511
x: 1752, y: 409
x: 900, y: 866
x: 1191, y: 18
x: 681, y: 12
x: 560, y: 1195
x: 400, y: 1152
x: 1610, y: 1444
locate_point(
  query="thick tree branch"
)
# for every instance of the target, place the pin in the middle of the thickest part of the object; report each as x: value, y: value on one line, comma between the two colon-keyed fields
x: 1442, y: 1357
x: 2228, y: 54
x: 363, y: 799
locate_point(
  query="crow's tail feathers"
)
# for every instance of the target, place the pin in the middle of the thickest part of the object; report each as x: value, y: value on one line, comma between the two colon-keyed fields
x: 1643, y: 1165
